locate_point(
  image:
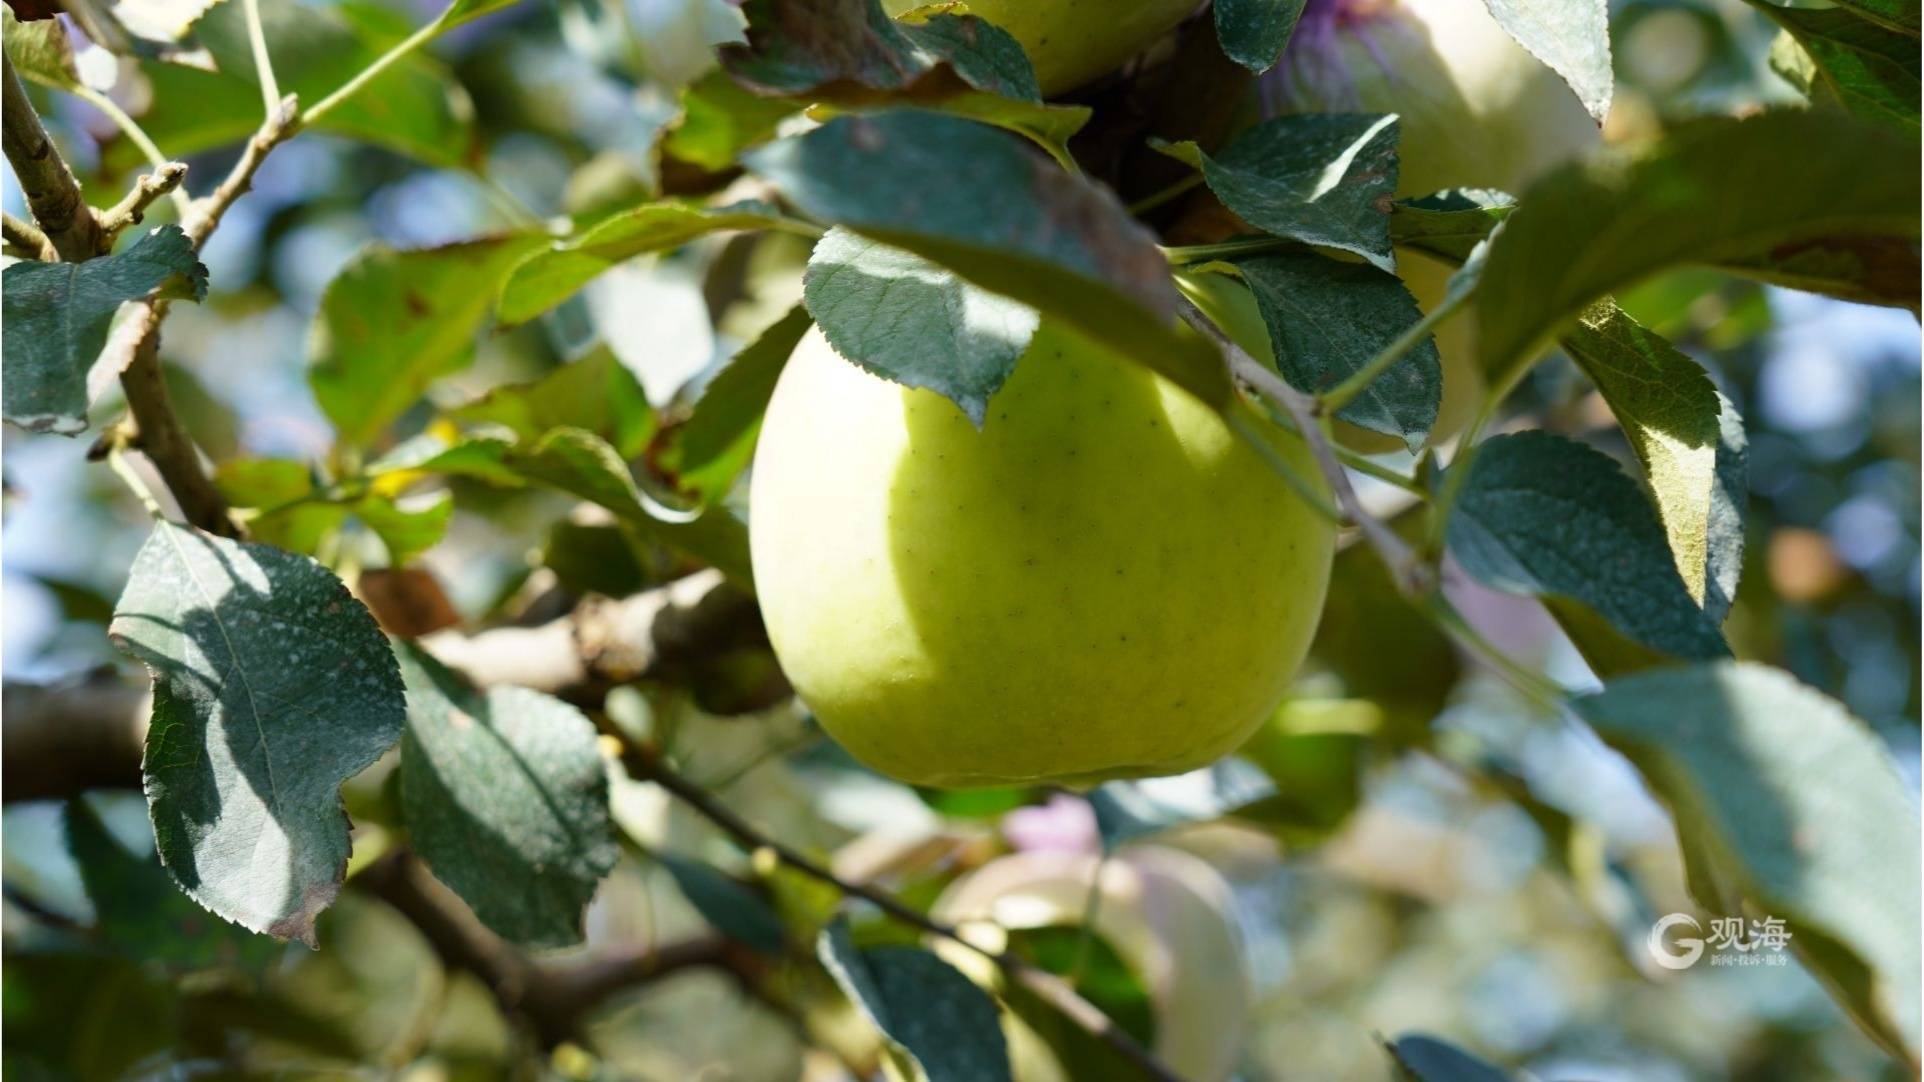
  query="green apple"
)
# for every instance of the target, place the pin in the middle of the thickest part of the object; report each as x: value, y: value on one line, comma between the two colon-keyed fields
x: 1070, y: 42
x: 1102, y: 582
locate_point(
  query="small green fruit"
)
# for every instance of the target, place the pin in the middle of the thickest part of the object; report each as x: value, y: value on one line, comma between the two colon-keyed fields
x: 1070, y: 42
x: 1103, y: 582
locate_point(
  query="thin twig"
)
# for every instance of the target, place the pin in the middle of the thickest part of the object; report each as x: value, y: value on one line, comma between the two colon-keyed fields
x: 1412, y: 575
x: 281, y: 125
x: 148, y: 187
x: 381, y: 63
x: 1051, y: 988
x: 27, y: 237
x: 52, y: 193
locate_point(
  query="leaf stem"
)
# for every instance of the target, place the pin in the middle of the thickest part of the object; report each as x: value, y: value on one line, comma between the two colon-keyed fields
x: 27, y: 237
x: 148, y: 187
x: 263, y: 63
x: 1151, y: 202
x: 395, y: 55
x: 1333, y: 400
x: 138, y: 136
x: 117, y: 462
x: 1203, y: 253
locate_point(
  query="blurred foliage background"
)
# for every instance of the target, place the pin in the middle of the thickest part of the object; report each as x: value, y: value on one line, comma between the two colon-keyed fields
x: 1396, y: 894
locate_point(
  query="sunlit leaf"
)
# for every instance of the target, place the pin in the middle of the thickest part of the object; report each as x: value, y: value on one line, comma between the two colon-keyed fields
x: 1735, y: 750
x: 908, y: 320
x: 706, y: 452
x: 1571, y: 36
x: 272, y: 686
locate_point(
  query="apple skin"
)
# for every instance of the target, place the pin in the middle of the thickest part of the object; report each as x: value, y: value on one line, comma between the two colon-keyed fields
x: 1070, y: 42
x: 1103, y: 582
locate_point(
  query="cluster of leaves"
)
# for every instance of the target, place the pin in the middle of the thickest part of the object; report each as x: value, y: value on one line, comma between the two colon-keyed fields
x: 273, y: 684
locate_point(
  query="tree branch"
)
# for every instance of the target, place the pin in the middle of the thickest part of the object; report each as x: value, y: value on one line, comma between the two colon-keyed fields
x: 52, y: 193
x: 148, y: 188
x: 1052, y: 989
x: 27, y: 237
x: 1413, y: 576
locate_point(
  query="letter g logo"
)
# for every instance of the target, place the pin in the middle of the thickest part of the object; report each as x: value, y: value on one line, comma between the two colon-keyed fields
x: 1692, y: 948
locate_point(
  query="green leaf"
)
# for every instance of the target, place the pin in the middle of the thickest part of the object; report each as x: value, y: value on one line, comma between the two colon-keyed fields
x: 905, y: 319
x: 1873, y: 70
x: 734, y: 910
x: 41, y: 52
x: 1327, y: 319
x: 719, y: 119
x: 414, y: 107
x: 550, y: 277
x: 1671, y: 414
x: 1422, y: 1058
x: 139, y: 912
x: 406, y: 531
x: 393, y: 322
x: 1735, y: 750
x: 1712, y: 192
x: 57, y: 316
x: 1004, y: 220
x: 1900, y: 15
x: 927, y: 1009
x: 289, y: 511
x: 594, y: 559
x: 1366, y: 619
x: 1544, y: 515
x: 1314, y: 751
x: 596, y: 393
x: 1449, y: 223
x: 1572, y: 37
x: 506, y: 798
x: 583, y: 465
x: 1729, y: 503
x: 708, y: 451
x: 845, y: 51
x: 272, y: 686
x: 1864, y: 269
x: 1089, y: 963
x: 1254, y: 33
x: 1321, y: 178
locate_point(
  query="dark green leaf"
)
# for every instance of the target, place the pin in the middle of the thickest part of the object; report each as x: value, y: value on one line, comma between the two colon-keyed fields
x: 594, y: 559
x: 1422, y: 1058
x: 905, y: 319
x: 846, y: 50
x: 393, y: 322
x: 1314, y: 751
x: 1089, y: 964
x: 596, y: 393
x: 1867, y: 270
x: 1713, y: 191
x: 924, y: 1006
x: 57, y: 316
x: 1449, y: 223
x: 1543, y: 515
x: 1873, y: 70
x: 138, y: 910
x: 1671, y: 414
x: 1254, y: 33
x: 978, y: 202
x: 734, y: 910
x: 272, y: 686
x: 1327, y: 319
x: 552, y: 276
x: 706, y: 452
x: 1736, y: 751
x: 1321, y: 178
x: 506, y: 798
x: 1572, y: 37
x: 1899, y: 15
